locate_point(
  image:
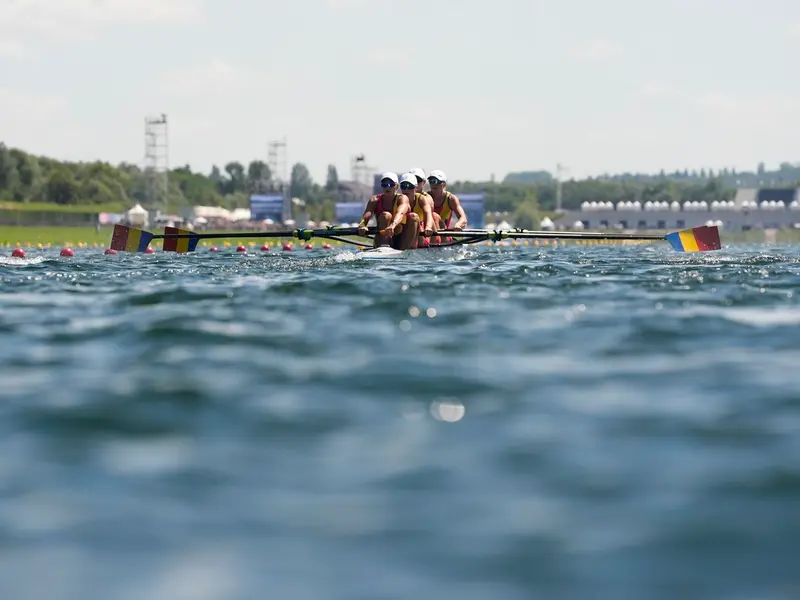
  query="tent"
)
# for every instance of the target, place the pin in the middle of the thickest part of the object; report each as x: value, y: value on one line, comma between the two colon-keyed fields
x: 137, y: 216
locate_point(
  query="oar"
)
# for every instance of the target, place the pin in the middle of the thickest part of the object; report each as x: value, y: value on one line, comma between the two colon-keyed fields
x: 132, y: 239
x: 696, y: 239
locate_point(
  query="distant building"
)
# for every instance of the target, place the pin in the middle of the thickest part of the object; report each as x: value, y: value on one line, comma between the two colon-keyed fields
x: 763, y: 208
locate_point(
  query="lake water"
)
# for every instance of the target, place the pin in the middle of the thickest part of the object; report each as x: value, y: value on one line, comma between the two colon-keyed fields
x: 492, y: 423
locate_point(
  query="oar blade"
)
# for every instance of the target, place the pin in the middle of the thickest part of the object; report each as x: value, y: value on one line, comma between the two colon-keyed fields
x: 130, y: 239
x: 180, y: 245
x: 696, y: 239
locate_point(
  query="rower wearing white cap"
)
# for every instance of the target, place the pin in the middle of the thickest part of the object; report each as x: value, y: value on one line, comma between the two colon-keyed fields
x: 390, y: 209
x: 421, y: 179
x: 421, y: 206
x: 445, y: 204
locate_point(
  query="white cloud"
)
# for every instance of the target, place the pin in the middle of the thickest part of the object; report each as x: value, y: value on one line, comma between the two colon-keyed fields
x: 219, y: 77
x: 14, y: 49
x: 659, y: 90
x: 388, y: 56
x: 794, y: 28
x: 347, y: 4
x: 596, y: 50
x: 13, y: 104
x: 23, y: 23
x: 751, y: 108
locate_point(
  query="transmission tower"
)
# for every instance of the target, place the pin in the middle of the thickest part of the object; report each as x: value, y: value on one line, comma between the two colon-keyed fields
x: 156, y: 160
x: 276, y: 159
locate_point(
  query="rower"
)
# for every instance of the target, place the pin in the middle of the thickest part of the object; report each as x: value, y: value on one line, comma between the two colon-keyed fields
x: 390, y: 209
x: 445, y: 204
x: 421, y: 206
x: 421, y: 179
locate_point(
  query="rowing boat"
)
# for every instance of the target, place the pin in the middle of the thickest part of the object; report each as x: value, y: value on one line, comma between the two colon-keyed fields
x: 131, y: 239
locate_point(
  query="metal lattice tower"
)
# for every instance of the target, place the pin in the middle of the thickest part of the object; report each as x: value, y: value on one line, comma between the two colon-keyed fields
x: 361, y: 171
x: 156, y: 160
x: 276, y: 159
x: 560, y: 170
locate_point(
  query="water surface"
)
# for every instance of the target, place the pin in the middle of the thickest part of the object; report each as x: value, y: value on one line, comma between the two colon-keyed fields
x: 497, y: 422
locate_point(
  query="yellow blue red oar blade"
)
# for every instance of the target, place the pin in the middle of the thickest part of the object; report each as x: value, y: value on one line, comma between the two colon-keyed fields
x: 696, y: 239
x: 180, y: 245
x: 130, y: 239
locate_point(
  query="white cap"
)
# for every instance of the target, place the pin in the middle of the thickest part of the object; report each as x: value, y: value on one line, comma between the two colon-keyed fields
x: 410, y: 178
x: 439, y: 175
x: 417, y: 172
x: 392, y: 176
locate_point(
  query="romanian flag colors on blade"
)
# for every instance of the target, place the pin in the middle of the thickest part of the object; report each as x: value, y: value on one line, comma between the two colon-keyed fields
x: 188, y: 244
x: 696, y: 239
x: 130, y: 239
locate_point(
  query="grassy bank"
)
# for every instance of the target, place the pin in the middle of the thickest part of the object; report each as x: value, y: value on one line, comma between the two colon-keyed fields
x: 53, y: 236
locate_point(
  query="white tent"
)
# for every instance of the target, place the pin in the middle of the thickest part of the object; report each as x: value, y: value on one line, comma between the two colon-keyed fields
x: 240, y: 214
x: 547, y: 224
x: 137, y: 216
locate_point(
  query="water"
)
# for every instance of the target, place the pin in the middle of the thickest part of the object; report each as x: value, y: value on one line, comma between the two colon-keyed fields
x: 504, y: 423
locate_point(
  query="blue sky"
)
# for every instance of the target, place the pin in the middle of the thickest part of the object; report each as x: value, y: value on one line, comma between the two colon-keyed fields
x: 471, y: 87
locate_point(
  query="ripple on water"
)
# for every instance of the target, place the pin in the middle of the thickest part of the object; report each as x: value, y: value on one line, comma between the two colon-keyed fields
x: 485, y: 423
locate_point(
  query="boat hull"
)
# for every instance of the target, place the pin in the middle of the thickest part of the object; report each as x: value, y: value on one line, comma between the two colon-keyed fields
x: 389, y: 253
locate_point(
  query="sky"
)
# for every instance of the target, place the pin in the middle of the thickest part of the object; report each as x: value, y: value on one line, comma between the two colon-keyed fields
x: 475, y: 88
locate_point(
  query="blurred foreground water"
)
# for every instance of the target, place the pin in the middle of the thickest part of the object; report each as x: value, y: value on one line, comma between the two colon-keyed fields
x: 504, y: 423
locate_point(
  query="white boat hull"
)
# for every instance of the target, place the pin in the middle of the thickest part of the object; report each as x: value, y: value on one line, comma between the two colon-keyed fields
x: 382, y: 253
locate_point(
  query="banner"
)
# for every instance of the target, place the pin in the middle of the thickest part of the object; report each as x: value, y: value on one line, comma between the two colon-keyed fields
x: 473, y: 207
x: 266, y: 207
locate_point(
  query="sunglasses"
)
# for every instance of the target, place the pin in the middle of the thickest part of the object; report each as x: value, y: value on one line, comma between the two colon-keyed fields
x: 407, y: 186
x: 387, y: 183
x: 434, y: 181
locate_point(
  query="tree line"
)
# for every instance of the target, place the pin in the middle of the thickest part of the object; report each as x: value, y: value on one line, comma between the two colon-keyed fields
x: 28, y: 178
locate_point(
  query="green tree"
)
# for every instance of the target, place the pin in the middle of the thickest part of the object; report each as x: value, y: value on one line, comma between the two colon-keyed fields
x: 258, y: 176
x: 300, y: 184
x: 332, y: 181
x: 61, y: 187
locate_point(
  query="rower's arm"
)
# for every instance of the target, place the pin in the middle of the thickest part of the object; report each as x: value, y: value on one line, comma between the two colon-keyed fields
x: 402, y: 208
x: 369, y: 210
x: 458, y: 210
x: 427, y: 211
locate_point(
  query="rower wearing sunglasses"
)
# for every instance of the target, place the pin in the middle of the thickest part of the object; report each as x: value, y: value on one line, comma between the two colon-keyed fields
x: 391, y: 209
x: 421, y: 206
x: 419, y: 174
x: 445, y: 204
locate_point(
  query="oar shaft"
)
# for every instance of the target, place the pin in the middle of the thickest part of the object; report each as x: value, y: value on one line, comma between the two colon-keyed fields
x: 580, y: 235
x: 303, y: 234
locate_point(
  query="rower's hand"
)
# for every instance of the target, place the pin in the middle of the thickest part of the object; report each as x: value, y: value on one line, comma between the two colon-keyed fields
x: 458, y: 227
x: 427, y: 233
x: 389, y: 231
x: 362, y: 230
